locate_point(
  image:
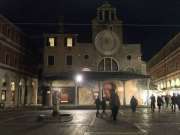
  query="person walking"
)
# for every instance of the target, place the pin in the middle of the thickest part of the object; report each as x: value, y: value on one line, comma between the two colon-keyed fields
x: 115, y: 104
x: 167, y: 100
x: 153, y: 100
x: 178, y: 101
x: 133, y: 103
x: 103, y: 106
x: 98, y: 103
x: 173, y: 103
x: 159, y: 102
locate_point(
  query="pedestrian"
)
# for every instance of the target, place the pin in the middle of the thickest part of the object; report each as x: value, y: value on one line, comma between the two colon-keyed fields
x: 153, y: 100
x: 98, y: 103
x: 103, y: 106
x: 115, y: 103
x: 167, y: 100
x: 133, y: 103
x: 159, y: 102
x: 178, y: 101
x: 173, y: 103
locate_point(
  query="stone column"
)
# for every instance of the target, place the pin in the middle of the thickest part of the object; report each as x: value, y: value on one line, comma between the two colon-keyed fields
x: 148, y: 88
x: 29, y: 94
x: 124, y: 93
x: 103, y: 15
x: 76, y: 93
x: 22, y: 93
x: 34, y: 91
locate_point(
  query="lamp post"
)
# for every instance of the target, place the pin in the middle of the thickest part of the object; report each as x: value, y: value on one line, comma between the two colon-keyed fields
x: 78, y: 79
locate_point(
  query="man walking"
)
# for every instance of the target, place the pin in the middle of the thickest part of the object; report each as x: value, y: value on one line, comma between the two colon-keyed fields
x: 133, y: 103
x: 173, y: 103
x: 98, y: 103
x: 153, y: 100
x: 115, y: 104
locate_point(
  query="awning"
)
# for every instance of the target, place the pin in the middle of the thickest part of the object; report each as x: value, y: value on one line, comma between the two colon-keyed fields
x: 89, y: 75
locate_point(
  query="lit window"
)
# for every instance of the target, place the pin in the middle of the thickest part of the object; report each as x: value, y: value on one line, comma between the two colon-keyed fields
x: 3, y: 95
x: 69, y: 42
x: 12, y: 86
x: 51, y: 42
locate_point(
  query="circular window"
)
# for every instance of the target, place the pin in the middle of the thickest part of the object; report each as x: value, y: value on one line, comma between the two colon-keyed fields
x: 86, y: 57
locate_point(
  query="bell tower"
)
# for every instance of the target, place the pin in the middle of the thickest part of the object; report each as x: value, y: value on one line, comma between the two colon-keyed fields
x: 106, y: 19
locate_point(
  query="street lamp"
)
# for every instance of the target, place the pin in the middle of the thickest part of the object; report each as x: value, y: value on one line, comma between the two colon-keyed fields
x: 78, y: 79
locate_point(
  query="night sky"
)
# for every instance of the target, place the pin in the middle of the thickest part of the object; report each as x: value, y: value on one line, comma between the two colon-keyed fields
x: 149, y: 22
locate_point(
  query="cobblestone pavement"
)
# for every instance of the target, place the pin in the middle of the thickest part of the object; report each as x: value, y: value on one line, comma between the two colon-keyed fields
x: 84, y: 122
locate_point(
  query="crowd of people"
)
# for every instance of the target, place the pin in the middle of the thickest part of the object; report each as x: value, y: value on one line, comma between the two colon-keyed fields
x: 165, y: 102
x: 114, y: 102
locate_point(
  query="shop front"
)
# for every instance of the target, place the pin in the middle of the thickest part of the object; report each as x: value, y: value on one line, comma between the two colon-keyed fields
x: 83, y: 91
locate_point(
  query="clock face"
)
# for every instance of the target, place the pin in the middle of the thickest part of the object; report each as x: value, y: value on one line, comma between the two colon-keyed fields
x: 107, y: 42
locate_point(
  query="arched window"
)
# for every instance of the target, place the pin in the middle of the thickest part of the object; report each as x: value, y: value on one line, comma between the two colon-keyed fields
x: 108, y: 65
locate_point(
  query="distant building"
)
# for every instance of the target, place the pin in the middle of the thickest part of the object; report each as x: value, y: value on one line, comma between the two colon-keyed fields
x: 164, y: 67
x: 105, y: 59
x: 18, y: 75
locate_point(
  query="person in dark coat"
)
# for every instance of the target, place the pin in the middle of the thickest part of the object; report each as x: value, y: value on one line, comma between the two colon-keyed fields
x: 98, y: 104
x: 103, y: 104
x: 167, y: 100
x: 133, y: 103
x: 115, y: 104
x: 178, y: 101
x: 173, y: 103
x: 159, y: 102
x: 153, y: 100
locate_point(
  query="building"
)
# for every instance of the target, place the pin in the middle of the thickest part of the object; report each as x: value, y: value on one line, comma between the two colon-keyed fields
x: 104, y: 60
x: 164, y: 68
x: 18, y: 76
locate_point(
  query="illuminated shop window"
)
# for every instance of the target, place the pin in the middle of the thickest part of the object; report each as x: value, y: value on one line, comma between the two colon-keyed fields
x: 13, y: 91
x: 178, y: 82
x: 172, y: 83
x: 69, y: 42
x: 51, y: 42
x: 3, y: 95
x: 168, y: 84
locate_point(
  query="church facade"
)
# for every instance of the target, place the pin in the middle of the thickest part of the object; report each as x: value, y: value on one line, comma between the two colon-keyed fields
x: 106, y: 59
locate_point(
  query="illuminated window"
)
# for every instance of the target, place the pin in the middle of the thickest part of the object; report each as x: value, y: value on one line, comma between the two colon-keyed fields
x: 69, y: 42
x: 12, y: 86
x: 3, y: 95
x: 51, y: 42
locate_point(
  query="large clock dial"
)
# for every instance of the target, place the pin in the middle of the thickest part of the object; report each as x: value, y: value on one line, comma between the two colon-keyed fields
x: 107, y: 42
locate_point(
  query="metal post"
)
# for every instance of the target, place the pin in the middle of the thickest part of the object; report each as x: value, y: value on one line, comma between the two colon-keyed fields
x: 124, y: 93
x: 76, y: 93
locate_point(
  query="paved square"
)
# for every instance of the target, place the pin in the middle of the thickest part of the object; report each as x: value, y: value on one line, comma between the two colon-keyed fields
x: 84, y: 122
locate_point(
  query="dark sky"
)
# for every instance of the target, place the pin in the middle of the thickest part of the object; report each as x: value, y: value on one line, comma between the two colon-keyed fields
x: 149, y: 22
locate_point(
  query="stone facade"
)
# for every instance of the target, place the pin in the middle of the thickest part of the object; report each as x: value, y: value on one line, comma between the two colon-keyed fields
x: 18, y: 77
x: 106, y: 53
x: 164, y: 67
